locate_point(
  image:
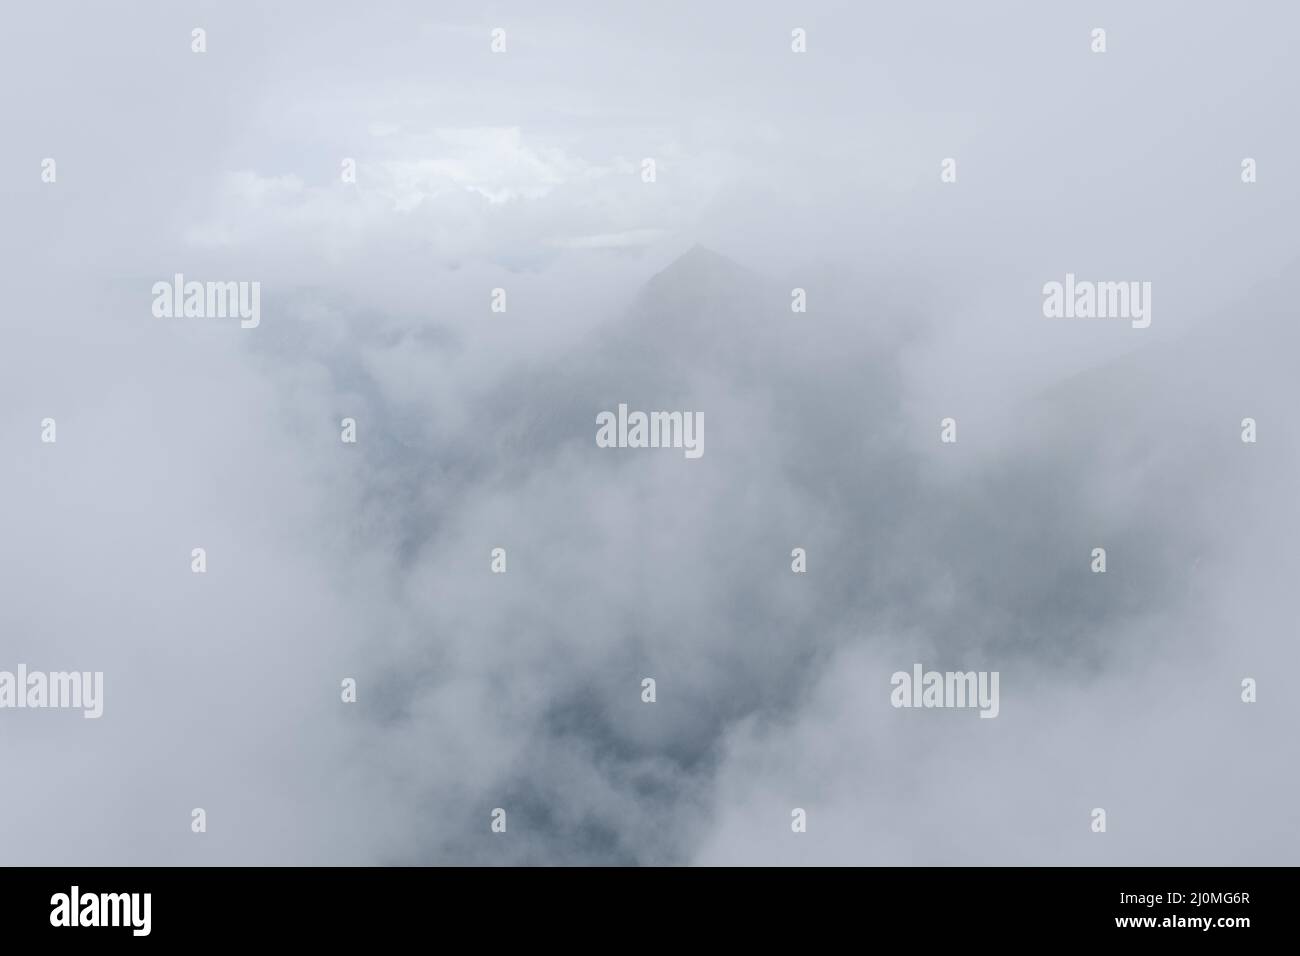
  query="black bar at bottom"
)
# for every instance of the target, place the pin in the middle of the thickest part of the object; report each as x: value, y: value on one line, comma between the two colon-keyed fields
x: 372, y: 905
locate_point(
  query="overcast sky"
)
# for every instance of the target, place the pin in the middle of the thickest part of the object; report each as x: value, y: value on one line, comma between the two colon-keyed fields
x: 522, y: 170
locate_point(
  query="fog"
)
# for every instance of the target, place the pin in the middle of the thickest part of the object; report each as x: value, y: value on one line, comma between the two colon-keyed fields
x: 774, y: 171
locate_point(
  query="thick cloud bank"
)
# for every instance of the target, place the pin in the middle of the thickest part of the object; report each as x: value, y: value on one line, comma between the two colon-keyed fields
x: 476, y: 430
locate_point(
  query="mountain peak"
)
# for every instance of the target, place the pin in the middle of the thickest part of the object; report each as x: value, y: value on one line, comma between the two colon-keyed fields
x: 698, y: 258
x: 701, y: 293
x: 699, y: 272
